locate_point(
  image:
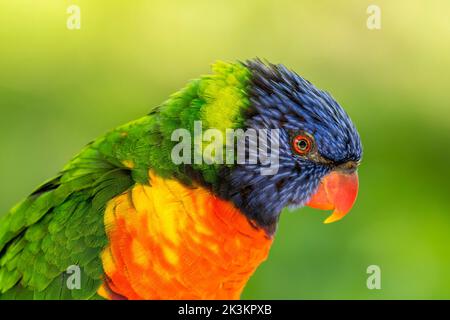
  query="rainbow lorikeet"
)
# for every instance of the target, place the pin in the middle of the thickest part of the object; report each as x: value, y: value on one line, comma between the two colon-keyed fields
x: 138, y: 225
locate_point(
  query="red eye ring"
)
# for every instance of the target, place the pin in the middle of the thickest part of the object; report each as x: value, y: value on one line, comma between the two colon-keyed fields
x: 302, y: 144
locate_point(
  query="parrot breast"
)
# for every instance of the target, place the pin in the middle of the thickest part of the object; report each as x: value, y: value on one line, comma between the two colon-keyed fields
x: 170, y: 241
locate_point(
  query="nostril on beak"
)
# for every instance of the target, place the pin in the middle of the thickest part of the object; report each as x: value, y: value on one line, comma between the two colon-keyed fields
x: 348, y: 167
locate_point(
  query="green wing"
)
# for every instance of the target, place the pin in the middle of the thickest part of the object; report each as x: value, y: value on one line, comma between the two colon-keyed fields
x: 60, y: 225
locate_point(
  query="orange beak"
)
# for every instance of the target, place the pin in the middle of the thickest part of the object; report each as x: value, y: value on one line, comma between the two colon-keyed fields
x: 337, y: 191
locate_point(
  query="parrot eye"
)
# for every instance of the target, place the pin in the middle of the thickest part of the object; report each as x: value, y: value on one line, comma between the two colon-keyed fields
x: 302, y: 144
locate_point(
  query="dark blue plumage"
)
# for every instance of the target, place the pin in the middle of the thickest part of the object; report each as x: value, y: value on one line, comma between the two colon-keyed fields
x: 281, y: 99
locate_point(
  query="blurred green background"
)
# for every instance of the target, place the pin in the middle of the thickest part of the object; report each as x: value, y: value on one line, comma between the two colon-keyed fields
x: 61, y: 88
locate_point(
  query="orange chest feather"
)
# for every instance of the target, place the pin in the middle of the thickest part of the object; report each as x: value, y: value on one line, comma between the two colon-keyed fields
x: 168, y: 241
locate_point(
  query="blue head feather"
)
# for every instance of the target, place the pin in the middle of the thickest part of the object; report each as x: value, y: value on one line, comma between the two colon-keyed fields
x: 281, y: 99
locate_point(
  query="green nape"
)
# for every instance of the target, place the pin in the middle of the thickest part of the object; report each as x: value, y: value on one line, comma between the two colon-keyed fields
x: 218, y: 100
x: 61, y: 223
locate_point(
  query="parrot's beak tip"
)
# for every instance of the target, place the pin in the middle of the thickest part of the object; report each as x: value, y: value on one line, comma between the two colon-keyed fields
x: 333, y: 218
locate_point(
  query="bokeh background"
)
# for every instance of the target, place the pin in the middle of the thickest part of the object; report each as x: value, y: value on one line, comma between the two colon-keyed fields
x: 61, y: 88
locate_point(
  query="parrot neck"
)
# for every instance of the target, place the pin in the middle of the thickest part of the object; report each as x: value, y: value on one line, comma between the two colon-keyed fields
x: 169, y: 241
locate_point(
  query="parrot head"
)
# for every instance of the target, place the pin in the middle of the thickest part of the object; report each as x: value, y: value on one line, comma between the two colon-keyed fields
x: 319, y: 149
